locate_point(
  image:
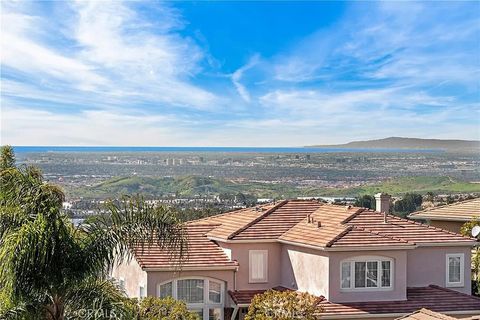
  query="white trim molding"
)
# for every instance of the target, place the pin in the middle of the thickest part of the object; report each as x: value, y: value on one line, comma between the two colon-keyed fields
x: 350, y: 262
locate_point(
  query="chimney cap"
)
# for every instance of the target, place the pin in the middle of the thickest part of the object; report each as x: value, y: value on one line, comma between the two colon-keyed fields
x: 382, y: 195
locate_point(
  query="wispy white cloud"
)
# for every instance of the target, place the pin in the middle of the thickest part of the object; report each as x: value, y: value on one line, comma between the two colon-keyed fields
x: 113, y: 53
x: 237, y: 76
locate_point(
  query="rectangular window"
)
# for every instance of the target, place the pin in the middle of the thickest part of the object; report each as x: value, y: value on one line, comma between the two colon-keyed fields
x: 386, y: 273
x: 190, y: 290
x: 372, y: 274
x: 455, y: 270
x: 141, y: 292
x: 258, y: 262
x: 166, y: 290
x: 366, y: 274
x: 346, y: 277
x: 360, y: 280
x: 121, y: 283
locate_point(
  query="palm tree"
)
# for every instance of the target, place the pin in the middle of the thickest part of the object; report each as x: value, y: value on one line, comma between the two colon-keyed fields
x: 50, y: 269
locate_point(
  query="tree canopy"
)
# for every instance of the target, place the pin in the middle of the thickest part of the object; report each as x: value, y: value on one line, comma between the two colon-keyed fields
x: 50, y: 269
x: 284, y: 305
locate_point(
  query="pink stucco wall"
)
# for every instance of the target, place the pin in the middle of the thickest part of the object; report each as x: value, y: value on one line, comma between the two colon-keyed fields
x: 306, y: 270
x: 427, y: 266
x: 133, y: 275
x: 397, y: 292
x: 240, y: 253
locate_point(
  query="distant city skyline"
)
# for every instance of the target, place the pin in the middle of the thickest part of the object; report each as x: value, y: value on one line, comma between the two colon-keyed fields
x: 237, y: 74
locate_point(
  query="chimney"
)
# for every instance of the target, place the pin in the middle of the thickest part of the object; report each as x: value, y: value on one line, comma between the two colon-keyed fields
x: 383, y: 204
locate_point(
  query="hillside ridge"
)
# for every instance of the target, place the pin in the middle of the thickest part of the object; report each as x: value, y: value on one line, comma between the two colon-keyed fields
x: 410, y: 143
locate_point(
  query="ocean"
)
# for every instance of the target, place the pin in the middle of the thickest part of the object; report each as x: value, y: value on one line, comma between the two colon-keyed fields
x: 42, y: 149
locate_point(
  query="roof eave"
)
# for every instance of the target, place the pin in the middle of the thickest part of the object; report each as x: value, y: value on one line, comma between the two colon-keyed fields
x: 388, y: 315
x: 209, y: 268
x: 440, y: 218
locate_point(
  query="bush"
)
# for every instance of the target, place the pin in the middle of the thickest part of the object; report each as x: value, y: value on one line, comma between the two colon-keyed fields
x: 153, y: 308
x: 286, y: 305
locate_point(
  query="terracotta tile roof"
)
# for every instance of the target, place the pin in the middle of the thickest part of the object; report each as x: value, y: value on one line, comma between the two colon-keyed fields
x: 311, y: 234
x: 460, y: 211
x: 201, y: 252
x: 237, y: 220
x: 432, y: 297
x: 404, y: 229
x: 425, y: 314
x: 359, y: 237
x: 243, y: 297
x: 277, y: 220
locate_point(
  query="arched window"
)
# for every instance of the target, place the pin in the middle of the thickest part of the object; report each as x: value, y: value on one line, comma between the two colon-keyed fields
x: 366, y: 273
x: 204, y: 296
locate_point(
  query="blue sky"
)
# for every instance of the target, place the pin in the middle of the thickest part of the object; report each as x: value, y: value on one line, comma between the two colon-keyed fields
x: 237, y: 73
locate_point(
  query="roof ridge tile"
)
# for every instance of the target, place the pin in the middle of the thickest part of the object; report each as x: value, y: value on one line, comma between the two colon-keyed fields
x: 339, y: 236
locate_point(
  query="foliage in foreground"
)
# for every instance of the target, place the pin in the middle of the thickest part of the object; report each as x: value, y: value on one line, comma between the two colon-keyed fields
x: 284, y: 305
x: 466, y: 230
x: 154, y: 308
x: 51, y: 270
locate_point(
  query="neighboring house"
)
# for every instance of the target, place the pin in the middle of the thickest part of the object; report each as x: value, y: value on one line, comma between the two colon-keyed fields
x: 425, y: 314
x: 360, y: 263
x: 451, y: 216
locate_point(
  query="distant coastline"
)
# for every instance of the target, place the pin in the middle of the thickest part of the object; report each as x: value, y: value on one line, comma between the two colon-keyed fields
x: 107, y: 149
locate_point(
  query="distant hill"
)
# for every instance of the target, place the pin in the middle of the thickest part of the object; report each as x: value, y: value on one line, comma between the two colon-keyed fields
x: 194, y: 185
x: 410, y: 143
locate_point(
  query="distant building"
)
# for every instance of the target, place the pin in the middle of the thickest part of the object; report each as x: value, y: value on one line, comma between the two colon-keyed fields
x: 451, y: 216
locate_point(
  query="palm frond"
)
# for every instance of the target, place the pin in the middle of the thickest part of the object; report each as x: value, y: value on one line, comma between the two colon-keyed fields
x: 131, y: 224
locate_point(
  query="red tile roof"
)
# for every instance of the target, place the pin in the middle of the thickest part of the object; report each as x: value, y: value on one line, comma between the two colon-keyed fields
x: 408, y: 230
x: 277, y: 220
x: 301, y: 222
x: 201, y: 252
x: 432, y: 297
x: 459, y: 211
x: 425, y: 314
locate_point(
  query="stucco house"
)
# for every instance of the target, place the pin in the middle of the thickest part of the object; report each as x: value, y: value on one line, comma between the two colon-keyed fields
x: 451, y: 216
x: 360, y: 263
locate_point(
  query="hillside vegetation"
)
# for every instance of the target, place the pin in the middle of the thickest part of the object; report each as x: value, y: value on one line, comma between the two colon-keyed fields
x: 194, y: 185
x: 410, y: 143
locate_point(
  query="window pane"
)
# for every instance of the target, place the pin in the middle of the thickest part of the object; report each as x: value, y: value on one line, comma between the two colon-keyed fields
x: 454, y: 271
x: 199, y: 312
x: 190, y: 290
x: 166, y: 290
x: 215, y: 314
x: 360, y: 268
x: 386, y: 273
x: 141, y: 292
x: 372, y: 274
x: 346, y: 275
x: 214, y: 293
x: 257, y: 266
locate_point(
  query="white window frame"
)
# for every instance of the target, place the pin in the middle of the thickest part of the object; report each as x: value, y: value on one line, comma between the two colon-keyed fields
x: 140, y: 288
x: 462, y: 270
x: 206, y: 305
x: 378, y: 260
x: 264, y: 253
